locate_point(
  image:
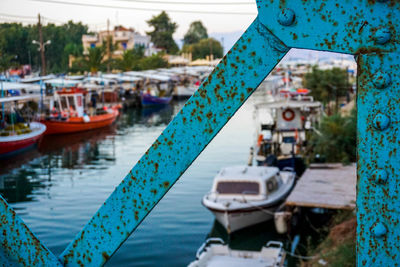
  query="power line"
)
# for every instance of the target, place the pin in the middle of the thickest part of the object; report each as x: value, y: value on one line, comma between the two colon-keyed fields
x: 144, y: 9
x: 16, y: 16
x: 188, y: 3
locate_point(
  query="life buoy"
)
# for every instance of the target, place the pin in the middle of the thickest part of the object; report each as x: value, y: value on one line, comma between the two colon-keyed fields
x: 288, y: 114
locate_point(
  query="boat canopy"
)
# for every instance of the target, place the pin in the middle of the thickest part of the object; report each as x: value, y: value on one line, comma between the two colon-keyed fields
x: 18, y: 98
x: 37, y: 79
x: 246, y: 173
x: 60, y: 82
x: 99, y: 80
x: 123, y: 78
x: 289, y: 104
x: 19, y: 86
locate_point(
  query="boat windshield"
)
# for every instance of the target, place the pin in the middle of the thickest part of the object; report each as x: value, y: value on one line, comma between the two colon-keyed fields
x: 234, y: 187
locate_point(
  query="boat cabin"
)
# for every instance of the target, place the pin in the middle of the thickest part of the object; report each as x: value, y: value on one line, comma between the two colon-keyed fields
x: 282, y: 125
x: 256, y: 183
x: 68, y: 103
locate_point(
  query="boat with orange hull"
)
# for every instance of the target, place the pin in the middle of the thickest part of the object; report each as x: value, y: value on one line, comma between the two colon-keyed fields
x: 79, y: 124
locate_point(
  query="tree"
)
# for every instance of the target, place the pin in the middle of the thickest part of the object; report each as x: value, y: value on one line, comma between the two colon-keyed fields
x: 66, y: 39
x: 130, y: 59
x: 153, y: 62
x: 203, y: 48
x: 94, y: 59
x: 161, y: 36
x: 6, y: 62
x: 336, y: 139
x: 327, y: 85
x: 195, y: 33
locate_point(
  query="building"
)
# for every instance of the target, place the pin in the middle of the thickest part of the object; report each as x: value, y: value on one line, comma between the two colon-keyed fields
x: 122, y: 39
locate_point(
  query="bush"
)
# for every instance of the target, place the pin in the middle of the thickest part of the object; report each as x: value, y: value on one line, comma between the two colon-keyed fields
x: 336, y: 138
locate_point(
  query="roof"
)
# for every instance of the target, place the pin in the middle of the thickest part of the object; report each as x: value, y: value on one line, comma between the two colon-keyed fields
x: 244, y: 172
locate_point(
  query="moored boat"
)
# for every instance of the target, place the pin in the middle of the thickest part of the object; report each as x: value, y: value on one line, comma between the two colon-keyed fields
x: 243, y: 196
x: 68, y: 115
x: 18, y: 132
x: 150, y: 100
x: 14, y: 142
x: 214, y: 253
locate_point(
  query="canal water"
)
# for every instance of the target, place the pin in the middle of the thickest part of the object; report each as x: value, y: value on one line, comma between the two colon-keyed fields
x: 59, y: 186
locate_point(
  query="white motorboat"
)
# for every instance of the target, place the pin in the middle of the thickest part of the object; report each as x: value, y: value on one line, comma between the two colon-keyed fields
x: 242, y: 196
x: 214, y: 253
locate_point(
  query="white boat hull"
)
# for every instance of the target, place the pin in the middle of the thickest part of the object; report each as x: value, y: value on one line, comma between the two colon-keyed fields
x: 233, y: 221
x: 184, y: 91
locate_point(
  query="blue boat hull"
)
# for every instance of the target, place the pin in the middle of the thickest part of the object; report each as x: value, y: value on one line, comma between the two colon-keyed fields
x: 149, y: 100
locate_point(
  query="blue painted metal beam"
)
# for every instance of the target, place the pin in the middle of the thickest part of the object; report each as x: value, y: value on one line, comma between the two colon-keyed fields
x: 378, y: 204
x: 343, y: 26
x: 236, y: 77
x: 18, y: 245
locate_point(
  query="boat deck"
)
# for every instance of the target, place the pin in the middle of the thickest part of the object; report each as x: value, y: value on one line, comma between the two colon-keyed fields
x: 330, y: 186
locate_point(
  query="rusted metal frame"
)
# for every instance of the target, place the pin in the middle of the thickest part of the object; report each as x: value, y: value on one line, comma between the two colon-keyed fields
x: 378, y: 205
x: 369, y: 30
x: 240, y: 72
x: 18, y: 245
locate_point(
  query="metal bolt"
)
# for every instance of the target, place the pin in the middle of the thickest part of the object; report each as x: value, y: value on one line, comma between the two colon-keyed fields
x: 379, y: 230
x: 381, y: 121
x: 382, y: 80
x: 381, y: 176
x: 286, y: 17
x: 382, y: 36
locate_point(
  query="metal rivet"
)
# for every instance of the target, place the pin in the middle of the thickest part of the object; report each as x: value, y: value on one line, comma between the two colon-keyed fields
x: 382, y: 36
x: 381, y: 176
x: 286, y: 17
x: 382, y: 80
x: 381, y: 121
x: 379, y: 230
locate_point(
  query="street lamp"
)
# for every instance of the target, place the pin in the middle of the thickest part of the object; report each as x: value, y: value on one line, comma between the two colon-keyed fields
x: 41, y: 46
x: 41, y: 49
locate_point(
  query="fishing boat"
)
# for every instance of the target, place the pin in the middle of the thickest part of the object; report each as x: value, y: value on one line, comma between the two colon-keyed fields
x: 151, y: 100
x: 158, y: 90
x: 242, y: 196
x: 281, y: 131
x: 18, y: 135
x: 215, y: 253
x: 69, y: 113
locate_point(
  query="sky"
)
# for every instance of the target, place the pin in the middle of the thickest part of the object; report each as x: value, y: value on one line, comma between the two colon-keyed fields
x: 229, y: 20
x: 96, y: 17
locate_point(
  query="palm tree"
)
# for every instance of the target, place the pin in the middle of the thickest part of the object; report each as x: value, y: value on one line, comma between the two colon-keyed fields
x: 95, y: 58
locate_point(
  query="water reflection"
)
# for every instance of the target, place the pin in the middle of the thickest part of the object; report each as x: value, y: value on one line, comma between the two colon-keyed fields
x: 252, y: 238
x: 72, y: 151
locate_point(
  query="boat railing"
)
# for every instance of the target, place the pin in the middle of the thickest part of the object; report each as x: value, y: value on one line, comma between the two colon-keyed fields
x: 275, y: 244
x: 207, y: 243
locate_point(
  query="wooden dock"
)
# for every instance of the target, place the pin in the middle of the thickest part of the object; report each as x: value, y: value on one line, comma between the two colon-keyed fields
x: 330, y: 186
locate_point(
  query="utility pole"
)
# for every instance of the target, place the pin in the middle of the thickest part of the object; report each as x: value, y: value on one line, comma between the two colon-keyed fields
x: 211, y: 51
x: 108, y: 46
x: 41, y: 47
